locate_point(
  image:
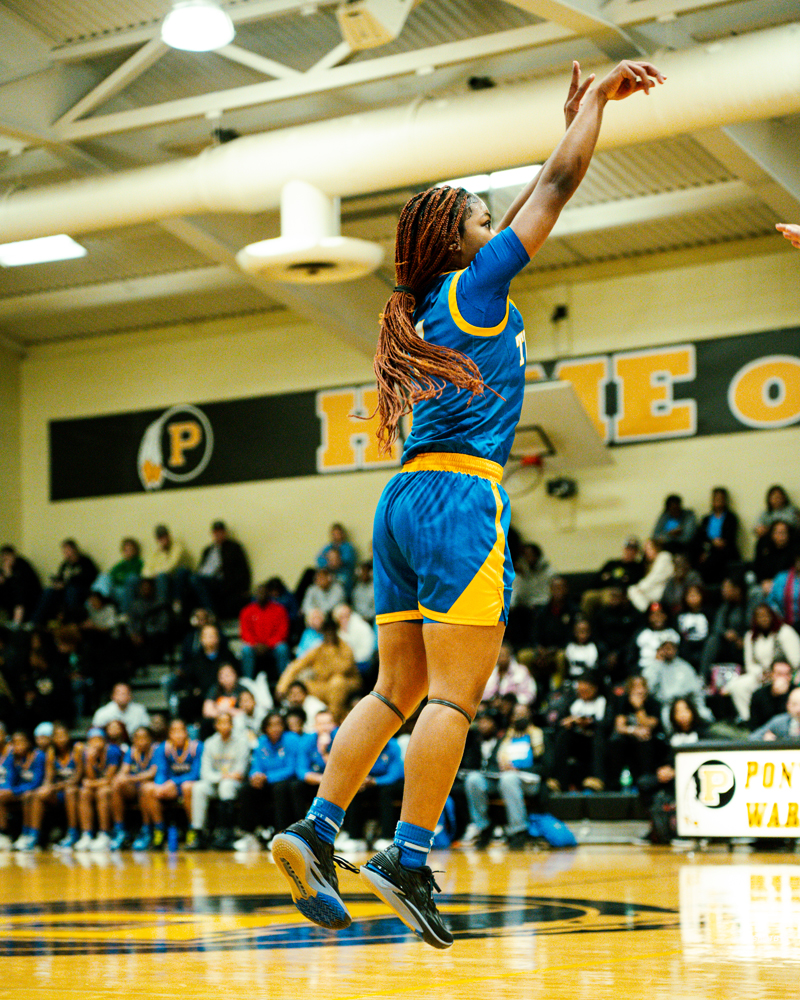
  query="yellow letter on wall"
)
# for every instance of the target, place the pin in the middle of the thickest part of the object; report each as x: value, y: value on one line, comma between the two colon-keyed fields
x: 646, y: 409
x: 766, y: 392
x: 588, y: 377
x: 349, y: 443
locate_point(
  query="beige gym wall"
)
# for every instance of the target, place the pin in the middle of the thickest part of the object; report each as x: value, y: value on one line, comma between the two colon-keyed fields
x: 10, y: 505
x: 283, y: 523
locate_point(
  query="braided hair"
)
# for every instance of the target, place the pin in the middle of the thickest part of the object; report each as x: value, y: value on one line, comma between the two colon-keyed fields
x: 407, y: 368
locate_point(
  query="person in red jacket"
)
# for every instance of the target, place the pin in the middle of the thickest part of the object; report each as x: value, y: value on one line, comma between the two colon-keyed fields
x: 264, y: 627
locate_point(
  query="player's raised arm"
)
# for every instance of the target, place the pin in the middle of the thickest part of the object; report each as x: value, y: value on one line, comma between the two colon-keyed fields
x: 790, y: 232
x: 559, y: 178
x: 577, y: 91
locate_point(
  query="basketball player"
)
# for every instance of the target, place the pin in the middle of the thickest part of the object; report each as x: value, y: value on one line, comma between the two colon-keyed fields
x: 452, y: 346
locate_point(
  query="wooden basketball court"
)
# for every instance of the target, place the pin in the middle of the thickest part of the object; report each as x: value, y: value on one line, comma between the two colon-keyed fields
x: 597, y: 922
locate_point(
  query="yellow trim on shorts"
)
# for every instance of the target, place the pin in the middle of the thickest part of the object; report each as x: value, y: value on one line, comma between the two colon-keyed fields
x: 399, y: 616
x: 462, y: 324
x: 443, y: 461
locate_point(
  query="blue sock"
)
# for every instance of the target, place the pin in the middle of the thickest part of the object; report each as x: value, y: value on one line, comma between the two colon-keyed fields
x: 327, y: 819
x: 74, y: 832
x: 414, y: 842
x: 160, y: 826
x: 119, y: 827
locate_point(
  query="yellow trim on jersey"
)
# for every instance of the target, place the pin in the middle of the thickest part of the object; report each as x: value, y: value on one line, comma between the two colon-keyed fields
x: 483, y: 600
x: 462, y: 324
x: 399, y: 616
x: 443, y: 461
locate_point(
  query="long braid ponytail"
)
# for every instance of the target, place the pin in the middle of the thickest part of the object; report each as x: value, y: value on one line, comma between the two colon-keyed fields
x: 407, y: 368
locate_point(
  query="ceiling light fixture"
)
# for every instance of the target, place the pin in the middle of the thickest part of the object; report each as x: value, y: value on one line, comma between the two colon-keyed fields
x: 40, y: 251
x: 197, y: 26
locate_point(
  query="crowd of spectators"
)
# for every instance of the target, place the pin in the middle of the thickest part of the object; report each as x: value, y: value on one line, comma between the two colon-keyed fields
x: 599, y: 679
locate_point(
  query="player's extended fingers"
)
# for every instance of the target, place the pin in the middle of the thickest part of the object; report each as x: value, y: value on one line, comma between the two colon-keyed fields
x: 643, y: 81
x: 581, y: 92
x: 575, y: 81
x: 656, y: 74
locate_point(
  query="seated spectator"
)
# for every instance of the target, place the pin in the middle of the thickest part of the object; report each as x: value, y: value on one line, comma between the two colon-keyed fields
x: 45, y: 690
x: 329, y: 672
x: 312, y: 756
x: 137, y: 769
x: 670, y: 677
x: 676, y: 525
x: 103, y: 653
x: 323, y: 595
x: 69, y: 588
x: 222, y: 580
x: 715, y: 543
x: 61, y: 786
x: 725, y: 643
x: 122, y: 707
x: 266, y: 800
x: 768, y: 639
x: 43, y: 737
x: 685, y: 727
x: 25, y: 774
x: 312, y: 633
x: 20, y: 589
x: 659, y: 566
x: 358, y: 635
x: 159, y: 727
x: 529, y: 592
x: 223, y: 695
x: 614, y: 624
x: 770, y: 699
x: 552, y: 630
x: 375, y: 799
x: 778, y: 508
x: 512, y: 770
x: 693, y: 626
x: 278, y: 591
x: 683, y: 577
x: 647, y: 642
x: 784, y: 595
x: 344, y: 564
x: 148, y: 622
x: 615, y: 573
x: 583, y: 652
x: 177, y: 768
x: 775, y: 554
x: 297, y: 697
x: 247, y: 721
x: 203, y: 669
x: 580, y: 740
x: 101, y: 761
x: 785, y: 726
x: 121, y: 581
x: 168, y: 568
x: 363, y: 596
x: 222, y: 771
x: 632, y: 744
x: 191, y: 645
x: 510, y: 677
x: 296, y: 720
x: 264, y: 628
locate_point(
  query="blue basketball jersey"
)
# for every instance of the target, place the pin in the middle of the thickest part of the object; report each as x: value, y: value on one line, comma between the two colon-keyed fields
x: 470, y: 311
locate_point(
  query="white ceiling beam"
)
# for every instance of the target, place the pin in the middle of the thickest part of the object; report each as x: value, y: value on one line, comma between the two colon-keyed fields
x: 254, y: 10
x: 310, y: 83
x: 738, y: 160
x: 584, y: 18
x: 112, y: 293
x: 130, y: 70
x: 269, y: 67
x: 774, y: 148
x: 624, y: 12
x: 650, y: 208
x: 335, y: 57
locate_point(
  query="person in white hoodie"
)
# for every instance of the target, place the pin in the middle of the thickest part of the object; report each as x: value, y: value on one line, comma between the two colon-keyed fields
x: 768, y: 639
x: 650, y: 588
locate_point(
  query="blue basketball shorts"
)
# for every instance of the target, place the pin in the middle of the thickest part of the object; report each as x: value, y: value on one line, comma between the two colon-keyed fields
x: 439, y: 544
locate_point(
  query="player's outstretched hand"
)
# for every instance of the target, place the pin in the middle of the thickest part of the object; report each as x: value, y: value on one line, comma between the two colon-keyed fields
x: 628, y: 77
x: 577, y: 91
x: 791, y: 232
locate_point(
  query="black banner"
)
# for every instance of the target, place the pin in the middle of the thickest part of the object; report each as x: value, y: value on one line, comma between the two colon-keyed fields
x: 731, y: 384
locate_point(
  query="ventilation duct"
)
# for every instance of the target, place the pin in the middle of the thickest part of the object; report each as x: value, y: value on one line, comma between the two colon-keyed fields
x: 310, y: 249
x: 749, y: 78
